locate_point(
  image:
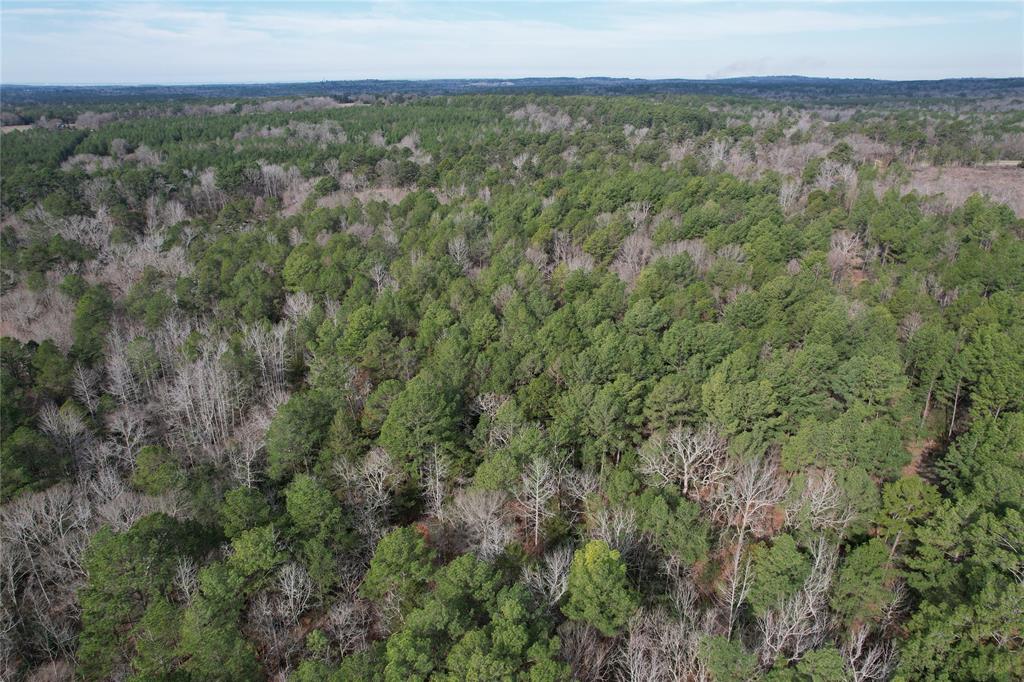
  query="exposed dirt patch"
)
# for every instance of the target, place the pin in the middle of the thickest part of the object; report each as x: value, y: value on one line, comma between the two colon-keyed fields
x: 776, y: 520
x: 920, y: 459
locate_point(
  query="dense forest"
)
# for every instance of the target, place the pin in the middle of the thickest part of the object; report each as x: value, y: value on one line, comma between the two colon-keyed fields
x: 787, y: 88
x: 397, y: 387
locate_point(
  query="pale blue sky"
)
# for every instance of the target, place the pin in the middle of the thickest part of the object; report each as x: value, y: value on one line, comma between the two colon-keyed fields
x: 216, y: 42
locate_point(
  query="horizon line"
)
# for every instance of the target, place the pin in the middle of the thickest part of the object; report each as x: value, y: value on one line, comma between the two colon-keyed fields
x: 499, y: 79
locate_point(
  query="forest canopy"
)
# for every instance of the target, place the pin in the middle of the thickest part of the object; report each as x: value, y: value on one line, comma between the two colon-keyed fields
x: 511, y: 387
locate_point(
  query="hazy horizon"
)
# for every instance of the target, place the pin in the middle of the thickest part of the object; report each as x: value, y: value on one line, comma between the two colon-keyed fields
x: 203, y: 43
x: 495, y: 79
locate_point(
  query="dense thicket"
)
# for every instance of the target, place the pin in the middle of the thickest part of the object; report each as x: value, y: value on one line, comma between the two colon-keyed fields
x: 486, y: 388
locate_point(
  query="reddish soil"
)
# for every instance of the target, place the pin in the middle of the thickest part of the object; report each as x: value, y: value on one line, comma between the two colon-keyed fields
x: 777, y: 520
x: 423, y: 529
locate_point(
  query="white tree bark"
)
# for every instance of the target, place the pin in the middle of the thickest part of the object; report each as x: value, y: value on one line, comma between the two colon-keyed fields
x: 484, y: 522
x: 549, y: 578
x: 689, y: 458
x: 745, y: 501
x: 537, y: 486
x: 434, y: 483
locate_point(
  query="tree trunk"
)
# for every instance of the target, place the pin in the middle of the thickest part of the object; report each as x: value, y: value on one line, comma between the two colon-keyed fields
x: 956, y: 400
x: 927, y: 405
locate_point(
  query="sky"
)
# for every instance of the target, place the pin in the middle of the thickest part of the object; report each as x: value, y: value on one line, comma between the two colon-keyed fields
x: 250, y: 41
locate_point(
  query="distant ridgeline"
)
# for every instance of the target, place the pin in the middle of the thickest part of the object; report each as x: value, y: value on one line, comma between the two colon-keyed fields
x: 781, y: 87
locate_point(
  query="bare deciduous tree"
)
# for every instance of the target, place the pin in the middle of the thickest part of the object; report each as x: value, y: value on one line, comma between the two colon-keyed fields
x: 683, y: 635
x: 801, y: 622
x: 745, y: 501
x: 483, y: 520
x: 731, y: 252
x: 500, y: 431
x: 570, y: 254
x: 93, y: 232
x: 735, y: 586
x: 458, y: 250
x: 210, y: 198
x: 43, y: 537
x: 747, y: 497
x: 382, y: 279
x: 576, y: 486
x: 660, y: 647
x: 868, y: 658
x: 174, y: 212
x: 641, y: 658
x: 85, y: 386
x: 832, y: 172
x: 333, y: 168
x: 845, y: 254
x: 38, y: 315
x: 789, y: 196
x: 633, y: 255
x: 275, y: 181
x: 691, y: 458
x: 549, y: 578
x: 100, y: 453
x: 824, y: 505
x: 537, y: 486
x: 348, y: 624
x: 186, y: 577
x: 115, y: 504
x: 65, y: 426
x: 296, y: 590
x: 130, y: 431
x: 716, y: 153
x: 121, y: 380
x: 202, y: 403
x: 589, y: 655
x: 369, y: 488
x: 247, y: 456
x: 538, y: 258
x: 488, y: 404
x: 434, y: 483
x: 696, y: 249
x: 271, y: 629
x: 273, y: 353
x: 639, y: 212
x: 298, y: 305
x: 910, y: 325
x: 617, y: 526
